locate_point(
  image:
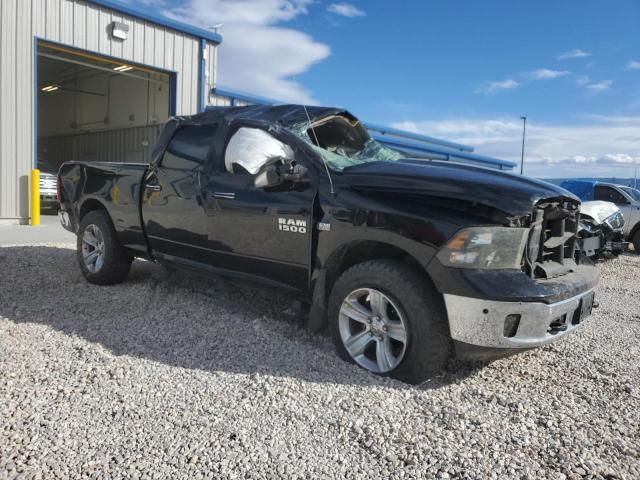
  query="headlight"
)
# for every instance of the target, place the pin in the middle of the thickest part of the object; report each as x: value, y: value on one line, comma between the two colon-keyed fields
x: 489, y: 248
x: 615, y: 221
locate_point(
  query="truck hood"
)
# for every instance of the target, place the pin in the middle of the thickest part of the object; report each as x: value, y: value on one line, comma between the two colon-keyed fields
x: 512, y: 194
x: 598, y: 210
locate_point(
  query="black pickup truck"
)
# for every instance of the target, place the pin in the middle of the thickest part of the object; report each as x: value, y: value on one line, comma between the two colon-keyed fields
x: 406, y: 261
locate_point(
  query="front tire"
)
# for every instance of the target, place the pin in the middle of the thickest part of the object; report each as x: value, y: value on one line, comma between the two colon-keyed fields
x: 636, y: 242
x: 388, y: 318
x: 102, y: 259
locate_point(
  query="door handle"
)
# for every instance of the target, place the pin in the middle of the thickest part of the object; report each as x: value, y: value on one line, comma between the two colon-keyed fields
x: 225, y: 195
x: 153, y: 187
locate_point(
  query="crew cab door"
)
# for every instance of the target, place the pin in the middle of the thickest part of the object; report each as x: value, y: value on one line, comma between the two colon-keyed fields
x: 172, y: 209
x: 611, y: 194
x: 258, y: 232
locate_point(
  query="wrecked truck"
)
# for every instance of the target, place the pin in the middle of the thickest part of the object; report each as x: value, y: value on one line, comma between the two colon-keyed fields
x: 627, y: 199
x: 601, y: 230
x: 406, y: 262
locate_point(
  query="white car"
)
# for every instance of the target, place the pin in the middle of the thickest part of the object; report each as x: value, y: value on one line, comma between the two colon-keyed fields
x: 48, y: 191
x: 48, y: 185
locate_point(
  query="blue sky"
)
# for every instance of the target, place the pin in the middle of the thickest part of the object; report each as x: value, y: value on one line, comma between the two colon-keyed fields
x: 462, y: 70
x: 438, y: 58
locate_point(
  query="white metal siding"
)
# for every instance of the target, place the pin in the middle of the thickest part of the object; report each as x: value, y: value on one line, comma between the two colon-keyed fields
x: 225, y: 101
x: 82, y: 25
x: 212, y: 62
x: 220, y: 101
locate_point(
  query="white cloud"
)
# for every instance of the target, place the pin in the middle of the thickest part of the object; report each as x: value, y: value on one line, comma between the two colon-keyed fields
x: 254, y: 12
x: 633, y: 65
x: 346, y: 10
x: 546, y: 74
x: 600, y: 86
x: 583, y: 80
x: 494, y: 87
x: 594, y: 87
x: 575, y: 53
x: 606, y: 146
x: 509, y: 83
x: 258, y: 55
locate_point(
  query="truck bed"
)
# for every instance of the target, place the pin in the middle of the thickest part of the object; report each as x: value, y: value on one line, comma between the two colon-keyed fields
x: 114, y: 186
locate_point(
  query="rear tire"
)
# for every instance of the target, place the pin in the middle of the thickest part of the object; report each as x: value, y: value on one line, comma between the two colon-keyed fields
x: 387, y: 297
x: 102, y: 259
x: 636, y: 242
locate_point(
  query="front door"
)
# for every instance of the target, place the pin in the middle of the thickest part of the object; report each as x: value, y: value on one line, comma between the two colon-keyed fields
x: 259, y: 232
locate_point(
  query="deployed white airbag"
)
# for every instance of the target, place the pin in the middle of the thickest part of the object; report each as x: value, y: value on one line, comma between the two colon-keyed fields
x: 252, y: 148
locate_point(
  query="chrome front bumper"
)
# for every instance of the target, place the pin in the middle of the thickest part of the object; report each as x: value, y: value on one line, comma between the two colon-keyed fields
x: 514, y: 325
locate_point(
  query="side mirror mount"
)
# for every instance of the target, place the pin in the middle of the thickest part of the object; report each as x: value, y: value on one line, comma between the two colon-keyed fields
x: 297, y: 174
x: 272, y: 176
x: 269, y: 177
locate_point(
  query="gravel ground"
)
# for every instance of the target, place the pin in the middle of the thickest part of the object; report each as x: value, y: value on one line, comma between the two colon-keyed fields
x: 168, y: 376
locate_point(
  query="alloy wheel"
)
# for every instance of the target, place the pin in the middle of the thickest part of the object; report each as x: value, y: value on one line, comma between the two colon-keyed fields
x: 373, y: 330
x: 93, y: 248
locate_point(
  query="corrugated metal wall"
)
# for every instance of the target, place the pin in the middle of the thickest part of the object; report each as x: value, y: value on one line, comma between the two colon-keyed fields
x: 85, y: 26
x: 130, y: 144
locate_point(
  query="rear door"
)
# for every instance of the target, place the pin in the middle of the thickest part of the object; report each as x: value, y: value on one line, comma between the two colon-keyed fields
x: 172, y: 204
x: 259, y: 232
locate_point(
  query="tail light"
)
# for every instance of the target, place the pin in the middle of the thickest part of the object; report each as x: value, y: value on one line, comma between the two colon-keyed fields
x: 59, y: 189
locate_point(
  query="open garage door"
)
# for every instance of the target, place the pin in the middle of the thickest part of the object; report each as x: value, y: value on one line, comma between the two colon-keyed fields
x: 94, y: 108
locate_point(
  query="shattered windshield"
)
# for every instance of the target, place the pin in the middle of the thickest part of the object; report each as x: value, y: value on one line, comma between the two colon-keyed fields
x: 372, y: 152
x: 343, y: 142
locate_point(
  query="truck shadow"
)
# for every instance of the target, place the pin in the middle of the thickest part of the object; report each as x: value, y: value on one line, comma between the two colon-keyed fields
x: 180, y: 319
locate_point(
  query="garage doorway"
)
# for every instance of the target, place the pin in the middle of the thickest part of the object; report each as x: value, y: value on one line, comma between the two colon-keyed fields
x: 94, y: 108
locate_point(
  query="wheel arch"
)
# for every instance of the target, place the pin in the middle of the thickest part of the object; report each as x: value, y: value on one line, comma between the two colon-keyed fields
x: 90, y: 205
x: 356, y: 252
x: 345, y: 257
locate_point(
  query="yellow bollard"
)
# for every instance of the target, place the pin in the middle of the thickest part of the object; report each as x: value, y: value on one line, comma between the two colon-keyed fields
x: 35, y: 197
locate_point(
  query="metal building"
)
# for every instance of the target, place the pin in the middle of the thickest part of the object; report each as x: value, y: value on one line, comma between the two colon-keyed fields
x: 82, y: 80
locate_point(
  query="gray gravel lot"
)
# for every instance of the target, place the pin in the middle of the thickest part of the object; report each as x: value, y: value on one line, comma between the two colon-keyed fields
x: 169, y: 376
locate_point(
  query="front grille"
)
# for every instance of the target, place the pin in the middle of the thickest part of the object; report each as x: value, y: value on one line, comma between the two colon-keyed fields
x: 47, y: 181
x: 552, y: 239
